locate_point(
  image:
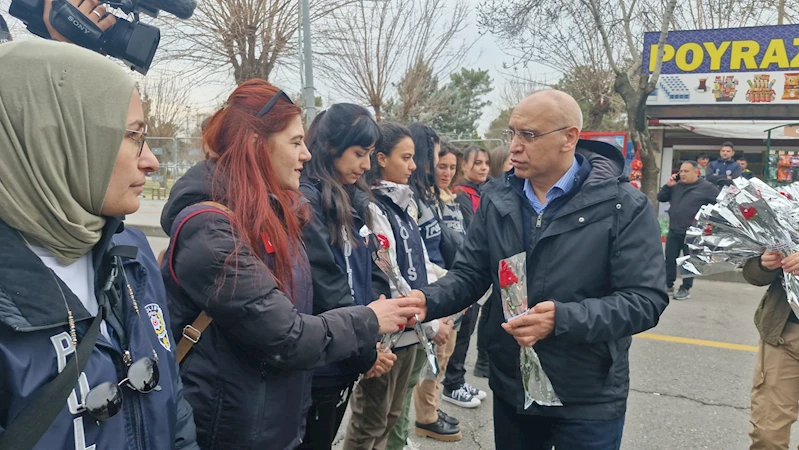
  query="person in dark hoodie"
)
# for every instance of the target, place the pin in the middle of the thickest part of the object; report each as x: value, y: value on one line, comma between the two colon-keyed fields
x: 686, y: 192
x: 725, y: 169
x: 72, y: 278
x: 595, y: 276
x: 341, y: 141
x: 239, y: 283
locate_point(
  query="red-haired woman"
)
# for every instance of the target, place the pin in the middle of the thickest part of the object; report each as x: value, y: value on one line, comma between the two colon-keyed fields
x: 241, y: 263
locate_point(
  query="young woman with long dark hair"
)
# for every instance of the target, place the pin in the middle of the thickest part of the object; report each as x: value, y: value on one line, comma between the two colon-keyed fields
x: 236, y: 269
x: 341, y: 141
x: 377, y: 403
x: 430, y: 420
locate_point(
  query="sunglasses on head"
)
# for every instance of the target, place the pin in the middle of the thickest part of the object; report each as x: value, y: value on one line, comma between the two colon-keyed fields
x: 272, y: 102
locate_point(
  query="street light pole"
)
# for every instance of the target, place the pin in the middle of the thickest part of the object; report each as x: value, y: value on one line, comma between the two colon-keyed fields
x: 310, y: 98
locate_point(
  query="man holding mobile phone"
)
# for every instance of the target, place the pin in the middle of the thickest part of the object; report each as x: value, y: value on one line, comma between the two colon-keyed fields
x: 686, y: 192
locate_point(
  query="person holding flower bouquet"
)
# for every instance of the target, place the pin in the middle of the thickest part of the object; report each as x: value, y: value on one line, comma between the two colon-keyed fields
x: 584, y: 248
x: 775, y: 392
x: 341, y: 141
x: 238, y: 269
x: 377, y: 403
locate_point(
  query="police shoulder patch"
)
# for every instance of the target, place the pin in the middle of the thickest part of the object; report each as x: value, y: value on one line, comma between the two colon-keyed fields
x: 159, y: 324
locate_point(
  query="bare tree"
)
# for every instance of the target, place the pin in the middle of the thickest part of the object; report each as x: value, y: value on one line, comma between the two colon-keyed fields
x: 164, y: 100
x: 631, y: 84
x: 371, y: 47
x: 559, y: 35
x: 601, y: 35
x: 518, y: 86
x: 709, y: 14
x: 248, y: 38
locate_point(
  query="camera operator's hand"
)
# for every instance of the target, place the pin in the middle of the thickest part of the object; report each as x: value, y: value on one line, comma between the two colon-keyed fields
x: 90, y: 8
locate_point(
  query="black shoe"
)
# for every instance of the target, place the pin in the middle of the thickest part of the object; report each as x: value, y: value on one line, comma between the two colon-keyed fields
x: 439, y: 430
x: 452, y: 420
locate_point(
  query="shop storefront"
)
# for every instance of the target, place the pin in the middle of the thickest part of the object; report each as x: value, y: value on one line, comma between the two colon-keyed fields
x: 726, y: 85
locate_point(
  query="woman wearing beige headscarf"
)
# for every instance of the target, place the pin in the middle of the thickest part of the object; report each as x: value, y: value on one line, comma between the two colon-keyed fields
x: 86, y: 359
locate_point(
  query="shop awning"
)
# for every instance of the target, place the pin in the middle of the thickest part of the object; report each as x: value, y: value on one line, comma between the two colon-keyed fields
x: 740, y: 129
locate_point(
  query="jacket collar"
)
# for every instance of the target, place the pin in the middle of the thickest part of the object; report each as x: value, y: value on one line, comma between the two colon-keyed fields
x: 400, y: 194
x: 30, y: 298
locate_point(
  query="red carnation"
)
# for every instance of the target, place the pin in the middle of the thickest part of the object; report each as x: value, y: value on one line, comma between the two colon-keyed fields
x: 384, y: 243
x: 748, y: 211
x: 506, y: 276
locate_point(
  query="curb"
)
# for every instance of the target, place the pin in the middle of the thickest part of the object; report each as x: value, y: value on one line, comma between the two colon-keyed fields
x: 149, y: 230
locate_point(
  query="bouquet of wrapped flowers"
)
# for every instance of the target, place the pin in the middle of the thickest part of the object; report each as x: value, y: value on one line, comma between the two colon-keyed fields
x: 513, y: 288
x: 383, y: 261
x: 749, y: 218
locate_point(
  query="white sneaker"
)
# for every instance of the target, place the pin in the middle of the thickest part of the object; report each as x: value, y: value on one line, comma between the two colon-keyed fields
x: 478, y: 393
x: 461, y: 397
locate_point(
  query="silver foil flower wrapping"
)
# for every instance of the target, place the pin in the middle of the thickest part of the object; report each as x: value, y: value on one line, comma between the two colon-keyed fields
x: 513, y: 287
x: 749, y: 218
x: 383, y: 261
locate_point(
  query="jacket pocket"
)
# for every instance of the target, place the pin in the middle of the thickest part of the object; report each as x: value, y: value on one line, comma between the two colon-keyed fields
x: 619, y: 352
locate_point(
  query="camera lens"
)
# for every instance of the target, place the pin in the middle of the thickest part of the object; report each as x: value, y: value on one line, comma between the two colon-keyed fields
x: 135, y: 44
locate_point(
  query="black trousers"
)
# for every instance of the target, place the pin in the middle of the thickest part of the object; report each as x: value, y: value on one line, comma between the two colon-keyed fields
x: 514, y: 431
x: 325, y: 416
x: 675, y: 243
x: 482, y: 351
x: 456, y: 369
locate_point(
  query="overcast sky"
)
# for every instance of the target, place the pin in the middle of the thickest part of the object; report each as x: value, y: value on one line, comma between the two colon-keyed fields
x: 485, y: 54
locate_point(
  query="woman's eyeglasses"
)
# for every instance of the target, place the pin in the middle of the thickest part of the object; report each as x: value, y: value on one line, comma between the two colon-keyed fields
x: 142, y: 137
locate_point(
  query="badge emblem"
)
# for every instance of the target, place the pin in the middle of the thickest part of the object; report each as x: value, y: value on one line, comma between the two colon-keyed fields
x: 159, y: 324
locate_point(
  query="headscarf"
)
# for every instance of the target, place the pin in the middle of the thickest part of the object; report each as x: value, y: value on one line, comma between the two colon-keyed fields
x: 63, y: 114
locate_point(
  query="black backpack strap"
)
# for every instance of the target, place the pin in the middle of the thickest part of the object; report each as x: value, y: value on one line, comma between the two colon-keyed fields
x: 33, y: 421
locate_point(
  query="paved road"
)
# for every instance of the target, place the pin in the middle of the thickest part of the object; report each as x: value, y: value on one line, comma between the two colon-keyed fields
x: 683, y: 396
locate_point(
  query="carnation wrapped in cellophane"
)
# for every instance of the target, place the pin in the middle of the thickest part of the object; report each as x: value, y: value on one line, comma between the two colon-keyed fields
x: 383, y: 261
x: 513, y: 287
x: 749, y: 218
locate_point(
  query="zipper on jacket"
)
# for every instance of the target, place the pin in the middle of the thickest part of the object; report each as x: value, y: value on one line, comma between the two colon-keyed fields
x: 132, y: 407
x: 259, y: 409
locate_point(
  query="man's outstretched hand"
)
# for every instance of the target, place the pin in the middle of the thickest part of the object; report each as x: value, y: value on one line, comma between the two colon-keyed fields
x: 422, y: 303
x: 534, y: 326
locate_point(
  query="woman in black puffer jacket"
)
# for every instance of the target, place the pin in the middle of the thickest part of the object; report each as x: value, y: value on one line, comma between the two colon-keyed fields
x: 241, y: 262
